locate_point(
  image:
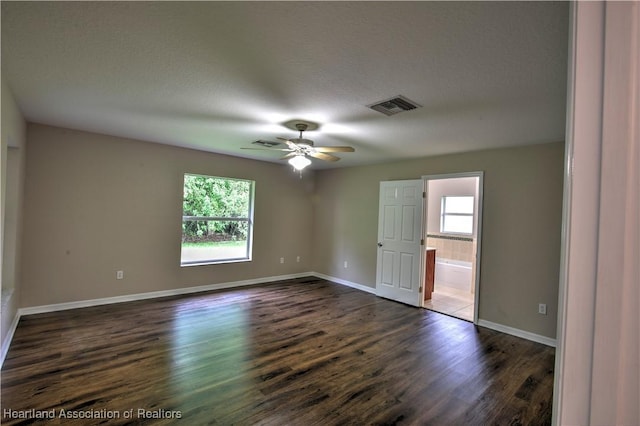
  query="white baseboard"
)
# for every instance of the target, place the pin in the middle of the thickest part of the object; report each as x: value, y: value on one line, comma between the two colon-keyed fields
x: 8, y: 338
x: 174, y: 292
x: 484, y: 323
x: 345, y: 282
x: 154, y: 294
x: 518, y: 333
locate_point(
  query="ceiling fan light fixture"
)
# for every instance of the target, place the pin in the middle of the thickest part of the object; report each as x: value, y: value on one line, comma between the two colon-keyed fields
x: 299, y: 162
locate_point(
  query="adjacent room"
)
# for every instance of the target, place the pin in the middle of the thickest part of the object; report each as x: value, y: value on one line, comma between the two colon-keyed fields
x: 452, y: 223
x: 196, y: 222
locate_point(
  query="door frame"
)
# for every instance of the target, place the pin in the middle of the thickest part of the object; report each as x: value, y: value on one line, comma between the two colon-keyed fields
x: 476, y: 278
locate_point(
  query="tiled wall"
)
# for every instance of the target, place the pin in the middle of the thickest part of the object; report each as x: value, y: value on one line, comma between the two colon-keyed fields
x: 455, y: 248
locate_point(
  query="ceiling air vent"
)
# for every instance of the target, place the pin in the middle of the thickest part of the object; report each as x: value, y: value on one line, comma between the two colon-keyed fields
x: 394, y: 105
x: 266, y: 144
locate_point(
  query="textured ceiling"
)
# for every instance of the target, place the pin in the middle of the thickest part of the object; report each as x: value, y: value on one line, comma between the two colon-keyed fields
x: 217, y: 76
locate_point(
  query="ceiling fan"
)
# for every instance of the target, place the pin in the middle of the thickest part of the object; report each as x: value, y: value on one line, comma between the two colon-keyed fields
x: 299, y: 149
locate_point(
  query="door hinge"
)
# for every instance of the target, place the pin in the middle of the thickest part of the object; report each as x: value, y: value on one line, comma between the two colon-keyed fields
x: 420, y: 288
x: 422, y: 242
x: 424, y: 194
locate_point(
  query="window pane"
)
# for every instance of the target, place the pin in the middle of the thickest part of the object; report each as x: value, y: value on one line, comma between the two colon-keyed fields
x: 458, y: 205
x: 458, y: 224
x: 216, y: 197
x: 205, y: 241
x: 216, y: 221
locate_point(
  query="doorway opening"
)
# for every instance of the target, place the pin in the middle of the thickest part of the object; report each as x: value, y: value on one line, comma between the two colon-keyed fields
x: 452, y: 256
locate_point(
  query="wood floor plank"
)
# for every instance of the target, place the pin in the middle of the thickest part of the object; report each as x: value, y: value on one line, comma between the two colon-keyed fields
x: 295, y: 352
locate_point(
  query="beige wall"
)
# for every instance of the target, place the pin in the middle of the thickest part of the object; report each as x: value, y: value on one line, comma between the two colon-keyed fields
x: 521, y: 227
x: 95, y: 204
x: 12, y: 155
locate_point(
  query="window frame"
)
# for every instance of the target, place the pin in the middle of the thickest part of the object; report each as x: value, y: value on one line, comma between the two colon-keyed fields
x: 444, y: 214
x: 249, y: 220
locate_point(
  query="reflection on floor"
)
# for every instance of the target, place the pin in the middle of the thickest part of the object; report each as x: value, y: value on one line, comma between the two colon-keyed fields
x: 450, y: 301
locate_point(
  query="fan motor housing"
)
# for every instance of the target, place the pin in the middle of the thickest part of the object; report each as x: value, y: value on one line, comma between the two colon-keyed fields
x: 297, y: 125
x: 302, y: 141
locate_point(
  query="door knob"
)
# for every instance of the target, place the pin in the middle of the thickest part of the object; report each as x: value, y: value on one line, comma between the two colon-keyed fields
x: 379, y: 244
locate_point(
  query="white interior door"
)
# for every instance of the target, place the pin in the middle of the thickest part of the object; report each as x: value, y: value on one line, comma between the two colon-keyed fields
x: 400, y: 222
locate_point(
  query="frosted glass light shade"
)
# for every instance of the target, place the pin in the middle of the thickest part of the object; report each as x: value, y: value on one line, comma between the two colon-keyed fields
x: 299, y: 162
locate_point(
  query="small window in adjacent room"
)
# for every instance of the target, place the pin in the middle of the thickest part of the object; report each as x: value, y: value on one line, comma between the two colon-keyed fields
x: 457, y: 215
x: 217, y: 220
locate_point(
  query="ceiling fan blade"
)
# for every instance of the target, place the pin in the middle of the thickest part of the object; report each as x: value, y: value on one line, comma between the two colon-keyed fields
x: 289, y: 155
x: 301, y: 141
x: 285, y: 140
x: 325, y: 157
x: 270, y: 149
x: 290, y: 144
x: 334, y: 149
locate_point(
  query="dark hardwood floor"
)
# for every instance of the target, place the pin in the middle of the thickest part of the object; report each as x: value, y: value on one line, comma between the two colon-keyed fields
x: 298, y: 352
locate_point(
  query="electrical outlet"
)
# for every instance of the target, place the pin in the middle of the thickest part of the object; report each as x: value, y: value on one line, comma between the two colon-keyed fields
x: 346, y: 264
x: 119, y: 275
x: 282, y: 260
x: 542, y: 308
x: 298, y: 259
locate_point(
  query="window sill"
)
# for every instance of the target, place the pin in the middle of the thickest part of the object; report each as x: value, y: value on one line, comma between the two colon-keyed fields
x: 214, y: 262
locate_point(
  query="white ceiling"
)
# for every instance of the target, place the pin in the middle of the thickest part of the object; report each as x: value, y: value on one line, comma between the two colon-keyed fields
x: 217, y: 76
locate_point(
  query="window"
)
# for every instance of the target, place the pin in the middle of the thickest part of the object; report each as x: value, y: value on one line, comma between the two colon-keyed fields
x: 217, y: 220
x: 456, y: 215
